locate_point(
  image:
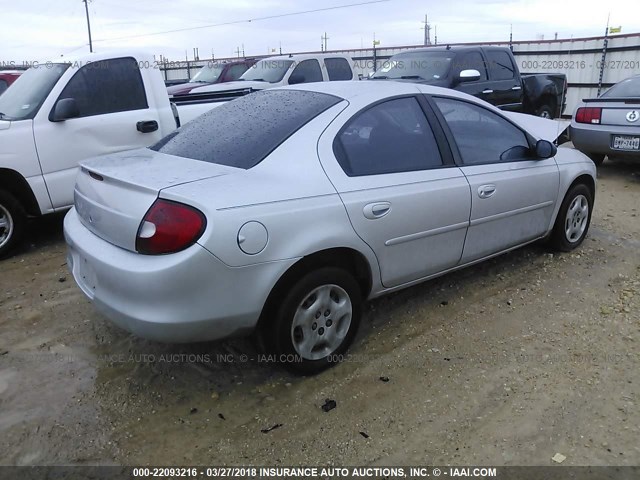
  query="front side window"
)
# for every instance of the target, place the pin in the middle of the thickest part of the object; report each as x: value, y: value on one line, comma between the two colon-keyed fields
x: 306, y: 71
x: 481, y: 135
x: 235, y: 71
x: 243, y: 132
x: 472, y: 61
x: 390, y: 137
x: 107, y: 86
x: 338, y: 69
x: 500, y: 65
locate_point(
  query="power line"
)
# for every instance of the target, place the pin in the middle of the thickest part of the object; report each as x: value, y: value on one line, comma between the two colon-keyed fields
x: 235, y: 22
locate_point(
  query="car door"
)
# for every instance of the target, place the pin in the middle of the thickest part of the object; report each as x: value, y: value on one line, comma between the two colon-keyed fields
x: 513, y: 194
x: 403, y: 194
x: 111, y: 100
x: 506, y: 89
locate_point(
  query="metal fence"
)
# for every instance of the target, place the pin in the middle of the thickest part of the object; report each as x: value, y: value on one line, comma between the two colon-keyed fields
x: 581, y: 59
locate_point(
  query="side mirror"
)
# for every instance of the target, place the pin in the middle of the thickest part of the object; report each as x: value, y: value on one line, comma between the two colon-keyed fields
x: 296, y: 78
x: 64, y: 109
x: 470, y: 75
x: 545, y: 149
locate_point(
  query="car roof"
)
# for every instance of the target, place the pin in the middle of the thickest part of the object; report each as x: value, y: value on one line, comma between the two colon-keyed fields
x: 369, y: 89
x: 306, y: 56
x: 451, y: 48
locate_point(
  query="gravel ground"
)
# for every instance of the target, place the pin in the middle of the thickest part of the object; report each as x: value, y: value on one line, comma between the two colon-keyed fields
x: 505, y: 363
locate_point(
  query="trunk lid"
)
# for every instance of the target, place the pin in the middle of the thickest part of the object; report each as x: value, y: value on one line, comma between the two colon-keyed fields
x: 113, y: 193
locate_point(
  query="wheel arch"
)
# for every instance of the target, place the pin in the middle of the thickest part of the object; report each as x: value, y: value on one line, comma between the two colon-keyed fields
x: 343, y: 257
x: 14, y: 183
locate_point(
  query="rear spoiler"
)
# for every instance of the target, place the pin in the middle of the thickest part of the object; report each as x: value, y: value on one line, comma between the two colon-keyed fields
x: 210, y: 97
x: 628, y: 100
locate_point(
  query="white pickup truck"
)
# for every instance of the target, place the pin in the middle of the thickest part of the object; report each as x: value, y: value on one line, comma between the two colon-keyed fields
x: 282, y: 70
x: 61, y: 112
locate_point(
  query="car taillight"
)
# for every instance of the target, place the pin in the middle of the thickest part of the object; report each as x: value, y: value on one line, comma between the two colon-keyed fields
x: 588, y: 115
x: 169, y: 227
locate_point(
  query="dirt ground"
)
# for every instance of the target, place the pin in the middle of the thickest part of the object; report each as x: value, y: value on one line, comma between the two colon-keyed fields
x: 506, y: 363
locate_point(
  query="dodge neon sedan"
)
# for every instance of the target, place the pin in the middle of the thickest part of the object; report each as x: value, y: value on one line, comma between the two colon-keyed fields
x: 610, y: 124
x: 282, y: 211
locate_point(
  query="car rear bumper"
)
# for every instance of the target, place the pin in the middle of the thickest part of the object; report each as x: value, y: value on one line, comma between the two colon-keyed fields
x: 597, y: 139
x: 188, y: 296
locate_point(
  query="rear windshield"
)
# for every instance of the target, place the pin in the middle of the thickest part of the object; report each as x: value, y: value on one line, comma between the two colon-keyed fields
x: 242, y: 132
x: 628, y: 88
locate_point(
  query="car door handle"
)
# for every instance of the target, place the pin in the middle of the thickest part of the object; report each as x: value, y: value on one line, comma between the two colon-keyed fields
x: 517, y: 87
x: 376, y: 210
x: 485, y: 191
x: 147, y: 126
x: 487, y: 91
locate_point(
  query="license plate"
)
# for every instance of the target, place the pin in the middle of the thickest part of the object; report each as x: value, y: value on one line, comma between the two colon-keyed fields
x: 621, y: 142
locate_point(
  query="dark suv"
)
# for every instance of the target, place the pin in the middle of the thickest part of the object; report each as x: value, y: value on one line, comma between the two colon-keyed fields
x: 213, y: 72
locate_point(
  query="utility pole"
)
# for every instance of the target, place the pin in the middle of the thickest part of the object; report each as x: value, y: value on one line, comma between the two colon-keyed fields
x: 280, y: 43
x: 435, y: 29
x: 427, y: 31
x: 86, y: 8
x: 324, y: 42
x: 237, y: 52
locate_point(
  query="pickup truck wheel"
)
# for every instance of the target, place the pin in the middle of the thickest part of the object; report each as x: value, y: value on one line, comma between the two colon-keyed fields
x: 12, y: 223
x: 316, y: 322
x: 574, y: 217
x: 545, y: 111
x: 596, y: 158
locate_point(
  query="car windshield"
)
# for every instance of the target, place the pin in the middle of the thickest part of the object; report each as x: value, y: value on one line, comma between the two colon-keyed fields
x: 416, y: 65
x: 29, y: 91
x: 628, y: 88
x: 208, y: 74
x: 243, y: 132
x: 271, y: 71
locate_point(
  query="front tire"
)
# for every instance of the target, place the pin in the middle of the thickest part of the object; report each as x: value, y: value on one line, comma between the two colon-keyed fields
x: 574, y: 218
x: 316, y: 321
x: 12, y: 223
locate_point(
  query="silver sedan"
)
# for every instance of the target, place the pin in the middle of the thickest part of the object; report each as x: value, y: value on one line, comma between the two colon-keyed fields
x: 609, y: 125
x: 282, y: 211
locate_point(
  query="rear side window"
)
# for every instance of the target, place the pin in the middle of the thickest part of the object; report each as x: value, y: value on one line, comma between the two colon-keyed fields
x: 308, y: 70
x: 389, y: 137
x: 107, y: 86
x: 338, y: 69
x: 3, y: 86
x: 241, y: 133
x: 500, y: 65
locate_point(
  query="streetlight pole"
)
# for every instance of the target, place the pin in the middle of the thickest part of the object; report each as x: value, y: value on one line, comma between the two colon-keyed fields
x: 86, y: 8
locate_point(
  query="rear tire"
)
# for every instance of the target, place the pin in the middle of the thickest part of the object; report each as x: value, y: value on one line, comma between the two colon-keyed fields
x: 573, y: 220
x: 596, y: 158
x: 545, y: 111
x: 316, y: 321
x: 13, y: 220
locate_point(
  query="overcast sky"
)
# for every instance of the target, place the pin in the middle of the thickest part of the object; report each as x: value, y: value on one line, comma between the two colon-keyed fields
x: 39, y: 29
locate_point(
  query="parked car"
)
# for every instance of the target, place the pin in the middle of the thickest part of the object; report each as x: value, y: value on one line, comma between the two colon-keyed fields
x: 7, y: 78
x: 284, y: 210
x: 286, y: 70
x: 213, y: 73
x: 609, y: 125
x: 489, y: 73
x: 71, y: 110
